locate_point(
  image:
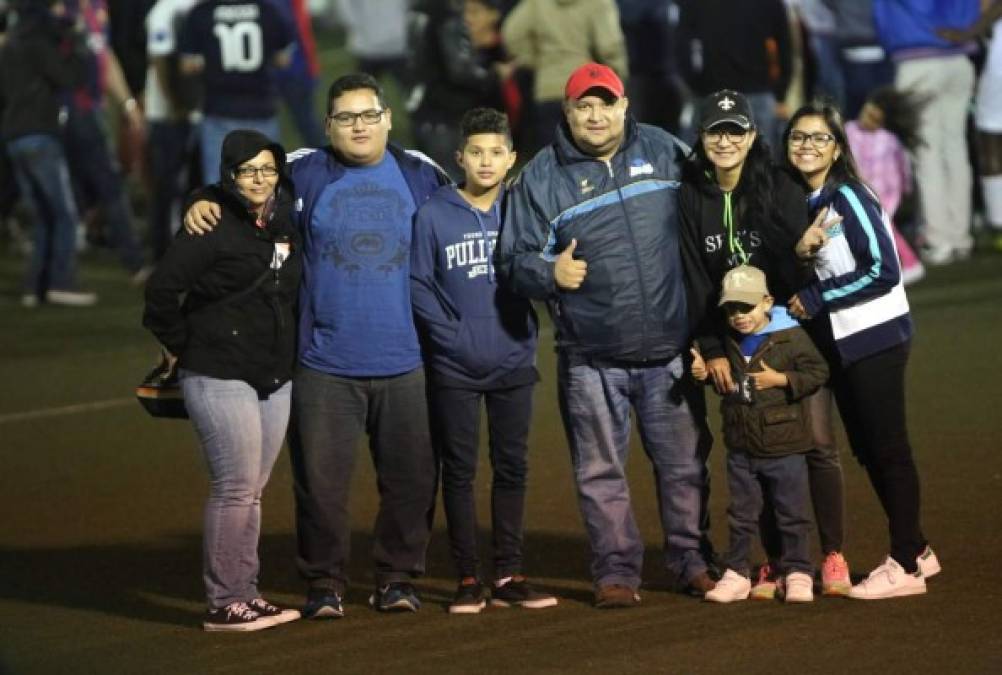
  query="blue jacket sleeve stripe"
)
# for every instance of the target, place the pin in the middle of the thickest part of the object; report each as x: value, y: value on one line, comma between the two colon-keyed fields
x: 608, y: 199
x: 864, y: 220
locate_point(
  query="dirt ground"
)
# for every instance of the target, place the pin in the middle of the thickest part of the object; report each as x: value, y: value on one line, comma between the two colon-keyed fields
x: 100, y: 521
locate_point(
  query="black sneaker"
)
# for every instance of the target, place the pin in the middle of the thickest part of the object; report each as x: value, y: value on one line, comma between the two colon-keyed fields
x: 469, y: 599
x: 266, y: 609
x: 518, y: 591
x: 236, y: 617
x: 396, y: 596
x: 323, y: 603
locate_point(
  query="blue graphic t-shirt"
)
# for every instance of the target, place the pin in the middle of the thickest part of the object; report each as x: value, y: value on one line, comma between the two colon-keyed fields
x: 360, y: 236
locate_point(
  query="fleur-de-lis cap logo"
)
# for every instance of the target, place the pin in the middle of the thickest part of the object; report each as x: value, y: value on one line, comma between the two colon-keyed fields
x: 726, y: 103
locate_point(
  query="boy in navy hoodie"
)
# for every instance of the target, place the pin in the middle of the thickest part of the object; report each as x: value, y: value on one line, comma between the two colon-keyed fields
x: 479, y: 341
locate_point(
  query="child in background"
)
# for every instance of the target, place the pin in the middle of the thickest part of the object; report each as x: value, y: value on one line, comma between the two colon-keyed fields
x: 881, y: 139
x: 479, y: 341
x: 767, y: 431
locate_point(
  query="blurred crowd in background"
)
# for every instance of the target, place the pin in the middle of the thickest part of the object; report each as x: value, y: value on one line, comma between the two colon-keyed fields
x: 135, y: 116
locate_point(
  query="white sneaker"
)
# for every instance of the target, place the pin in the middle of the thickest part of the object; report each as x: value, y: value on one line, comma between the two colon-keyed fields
x: 889, y: 581
x: 799, y: 587
x: 732, y: 586
x: 928, y: 562
x: 71, y: 298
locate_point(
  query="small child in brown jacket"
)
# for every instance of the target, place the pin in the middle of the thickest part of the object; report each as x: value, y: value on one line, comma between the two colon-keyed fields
x: 767, y: 430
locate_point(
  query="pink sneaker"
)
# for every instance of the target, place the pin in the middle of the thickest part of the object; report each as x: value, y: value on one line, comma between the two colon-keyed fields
x: 835, y: 576
x: 764, y: 587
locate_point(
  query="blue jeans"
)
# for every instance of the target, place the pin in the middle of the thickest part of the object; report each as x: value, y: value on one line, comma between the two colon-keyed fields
x: 97, y: 176
x: 780, y: 483
x: 44, y: 181
x: 595, y: 402
x: 241, y: 437
x: 213, y: 130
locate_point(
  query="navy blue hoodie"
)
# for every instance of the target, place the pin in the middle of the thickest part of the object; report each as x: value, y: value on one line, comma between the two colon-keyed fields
x: 475, y: 332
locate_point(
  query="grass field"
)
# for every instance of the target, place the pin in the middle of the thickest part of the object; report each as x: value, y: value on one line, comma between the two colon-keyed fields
x: 100, y: 529
x: 100, y: 522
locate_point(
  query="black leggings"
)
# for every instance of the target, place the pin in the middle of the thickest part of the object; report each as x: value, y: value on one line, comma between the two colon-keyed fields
x: 871, y: 400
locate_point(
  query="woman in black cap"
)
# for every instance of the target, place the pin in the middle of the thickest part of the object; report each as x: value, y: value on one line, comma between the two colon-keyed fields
x: 233, y: 336
x: 739, y: 207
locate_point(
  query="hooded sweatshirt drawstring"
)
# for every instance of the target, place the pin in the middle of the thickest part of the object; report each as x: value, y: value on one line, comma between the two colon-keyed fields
x: 483, y: 232
x: 733, y: 243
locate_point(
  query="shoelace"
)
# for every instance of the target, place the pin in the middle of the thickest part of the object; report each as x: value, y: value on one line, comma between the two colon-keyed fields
x: 241, y: 610
x: 262, y: 605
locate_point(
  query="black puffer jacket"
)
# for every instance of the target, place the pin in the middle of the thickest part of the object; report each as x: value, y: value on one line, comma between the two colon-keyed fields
x: 251, y: 338
x: 624, y: 215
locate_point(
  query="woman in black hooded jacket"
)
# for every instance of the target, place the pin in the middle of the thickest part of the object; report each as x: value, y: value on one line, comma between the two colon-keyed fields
x: 234, y: 336
x: 738, y: 207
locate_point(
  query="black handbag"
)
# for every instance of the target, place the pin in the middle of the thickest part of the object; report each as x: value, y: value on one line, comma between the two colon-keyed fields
x: 160, y: 391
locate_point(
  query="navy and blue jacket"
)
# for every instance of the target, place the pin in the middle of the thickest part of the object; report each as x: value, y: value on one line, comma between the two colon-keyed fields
x: 312, y: 170
x: 857, y: 298
x: 475, y: 331
x: 625, y: 217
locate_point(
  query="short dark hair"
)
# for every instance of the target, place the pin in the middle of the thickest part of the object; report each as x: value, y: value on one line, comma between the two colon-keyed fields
x: 354, y: 82
x: 484, y: 121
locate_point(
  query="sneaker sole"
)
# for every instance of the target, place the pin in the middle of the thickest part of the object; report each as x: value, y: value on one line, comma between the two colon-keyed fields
x: 542, y: 603
x: 468, y: 609
x: 903, y: 593
x: 398, y: 606
x: 838, y: 589
x: 260, y: 624
x: 325, y: 612
x: 796, y: 601
x: 287, y: 615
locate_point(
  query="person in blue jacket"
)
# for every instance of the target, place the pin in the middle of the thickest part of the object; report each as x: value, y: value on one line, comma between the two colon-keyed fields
x: 861, y: 323
x: 480, y: 345
x: 593, y: 229
x: 360, y: 369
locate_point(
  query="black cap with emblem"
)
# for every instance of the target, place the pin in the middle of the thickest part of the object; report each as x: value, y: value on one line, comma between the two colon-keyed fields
x: 725, y: 107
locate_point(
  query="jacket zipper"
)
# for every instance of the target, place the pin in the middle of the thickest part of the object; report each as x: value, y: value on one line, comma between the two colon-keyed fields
x: 636, y: 260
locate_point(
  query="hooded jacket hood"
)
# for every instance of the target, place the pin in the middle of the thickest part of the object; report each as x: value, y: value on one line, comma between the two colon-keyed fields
x: 240, y: 146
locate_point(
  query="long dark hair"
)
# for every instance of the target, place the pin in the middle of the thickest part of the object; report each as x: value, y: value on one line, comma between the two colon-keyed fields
x: 843, y: 169
x: 755, y: 184
x: 902, y: 111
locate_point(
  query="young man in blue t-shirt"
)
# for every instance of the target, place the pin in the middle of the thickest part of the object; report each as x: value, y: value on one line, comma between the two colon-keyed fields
x: 360, y: 369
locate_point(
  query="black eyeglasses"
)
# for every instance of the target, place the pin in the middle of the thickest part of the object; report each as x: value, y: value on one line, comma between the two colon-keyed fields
x: 251, y: 171
x: 733, y: 135
x: 347, y: 119
x: 819, y: 139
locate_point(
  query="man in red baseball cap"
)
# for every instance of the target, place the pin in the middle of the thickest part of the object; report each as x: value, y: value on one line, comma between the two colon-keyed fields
x: 595, y: 108
x: 592, y: 228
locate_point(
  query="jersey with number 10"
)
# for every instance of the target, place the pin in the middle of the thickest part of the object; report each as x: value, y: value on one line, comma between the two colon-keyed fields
x: 238, y: 41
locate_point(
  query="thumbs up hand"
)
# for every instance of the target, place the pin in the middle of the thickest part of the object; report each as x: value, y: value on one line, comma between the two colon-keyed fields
x: 699, y: 370
x: 569, y: 273
x: 767, y: 378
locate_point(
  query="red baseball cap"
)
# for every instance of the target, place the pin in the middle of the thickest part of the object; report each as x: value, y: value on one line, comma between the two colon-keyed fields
x: 592, y: 75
